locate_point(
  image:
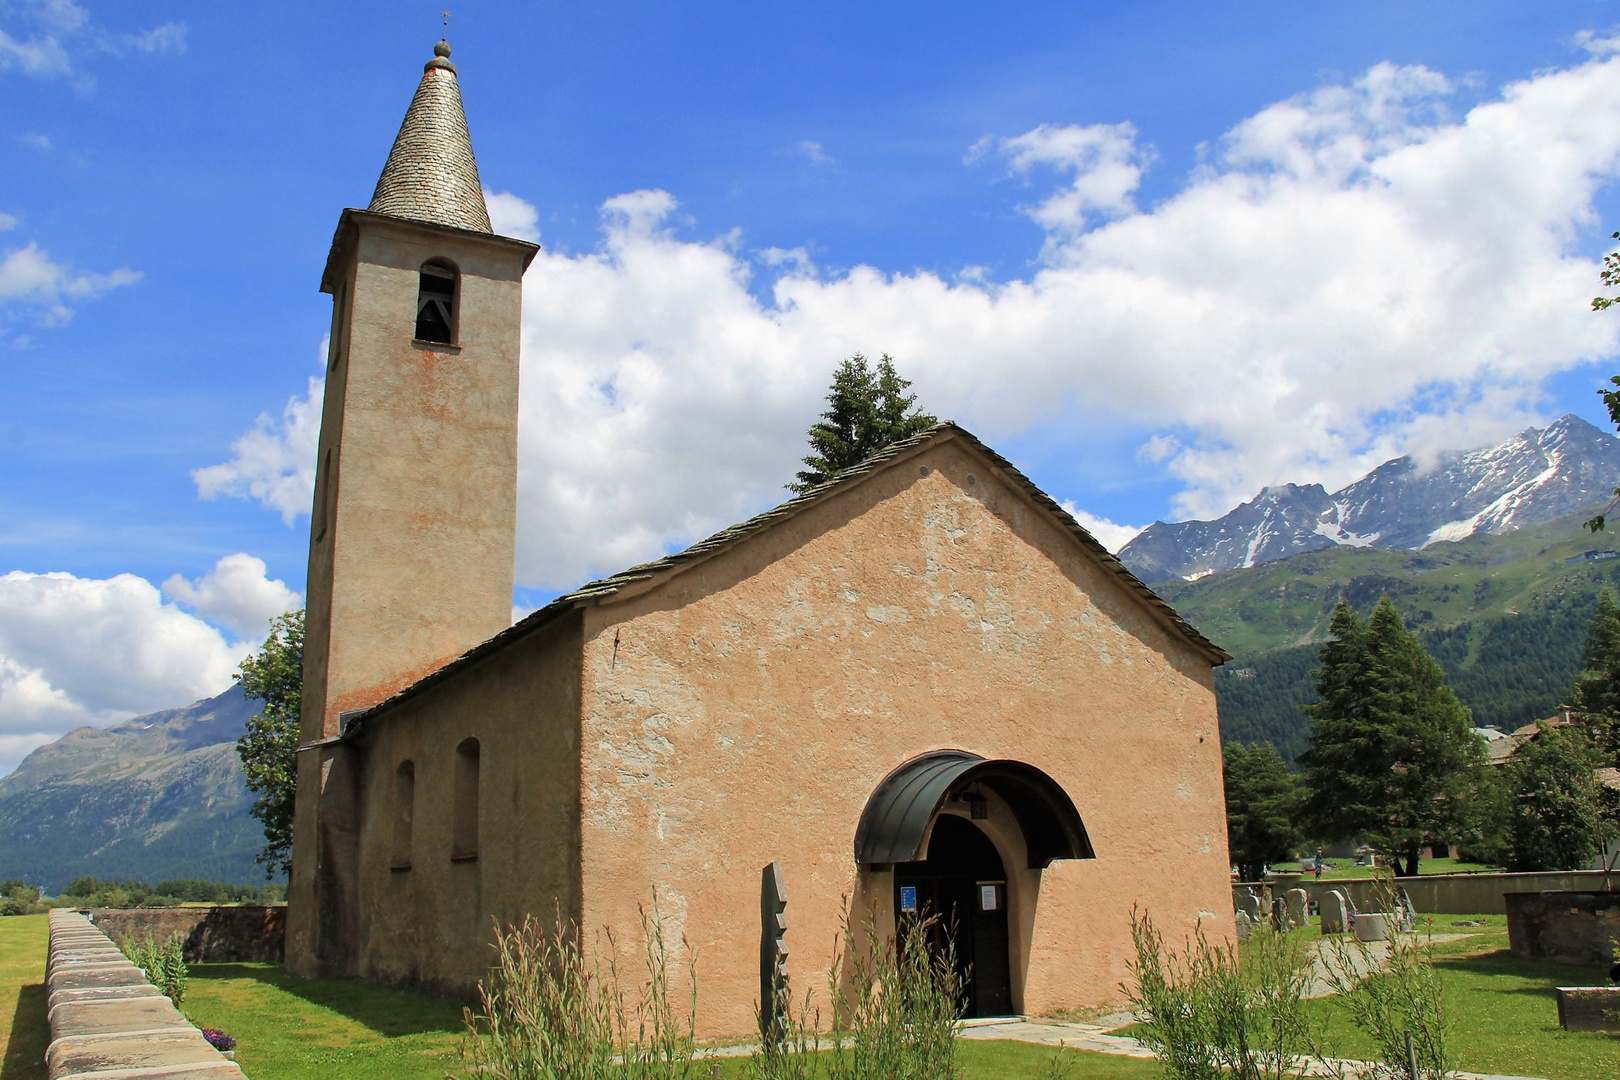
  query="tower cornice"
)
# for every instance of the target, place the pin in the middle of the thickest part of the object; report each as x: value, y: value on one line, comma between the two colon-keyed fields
x: 352, y: 220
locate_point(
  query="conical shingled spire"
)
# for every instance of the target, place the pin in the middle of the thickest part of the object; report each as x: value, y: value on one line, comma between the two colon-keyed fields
x: 431, y: 174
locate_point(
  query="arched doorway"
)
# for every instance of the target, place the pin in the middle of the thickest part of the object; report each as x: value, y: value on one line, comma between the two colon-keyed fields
x: 962, y: 880
x: 1007, y: 821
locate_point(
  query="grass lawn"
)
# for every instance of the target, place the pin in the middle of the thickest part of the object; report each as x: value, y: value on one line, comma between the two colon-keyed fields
x: 23, y: 1031
x: 1342, y: 869
x: 1506, y: 1014
x: 291, y: 1029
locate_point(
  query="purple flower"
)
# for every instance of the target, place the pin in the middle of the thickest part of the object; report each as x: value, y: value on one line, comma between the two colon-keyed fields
x: 218, y: 1039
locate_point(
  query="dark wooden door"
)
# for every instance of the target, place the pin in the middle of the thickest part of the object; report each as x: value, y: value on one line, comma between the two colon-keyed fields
x: 963, y: 881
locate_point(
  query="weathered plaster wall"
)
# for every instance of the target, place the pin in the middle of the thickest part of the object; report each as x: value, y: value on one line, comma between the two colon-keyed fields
x: 412, y: 531
x: 745, y: 710
x: 227, y: 934
x: 431, y: 924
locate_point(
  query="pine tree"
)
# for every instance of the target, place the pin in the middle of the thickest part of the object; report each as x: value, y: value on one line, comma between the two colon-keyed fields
x: 1262, y: 807
x: 1596, y: 697
x: 867, y: 411
x: 1391, y: 745
x: 269, y: 747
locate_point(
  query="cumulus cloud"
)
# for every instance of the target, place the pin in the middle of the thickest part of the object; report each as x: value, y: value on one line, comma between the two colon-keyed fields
x: 237, y: 595
x: 509, y: 215
x: 1110, y: 534
x: 76, y: 651
x: 29, y: 275
x: 1351, y: 274
x: 274, y: 461
x: 58, y: 36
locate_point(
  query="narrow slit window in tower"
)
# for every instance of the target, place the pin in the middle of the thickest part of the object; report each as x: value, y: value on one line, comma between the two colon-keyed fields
x: 436, y: 303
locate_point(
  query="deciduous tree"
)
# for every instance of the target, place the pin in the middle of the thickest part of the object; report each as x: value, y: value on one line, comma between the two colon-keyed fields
x: 1557, y: 820
x: 269, y: 747
x: 867, y: 410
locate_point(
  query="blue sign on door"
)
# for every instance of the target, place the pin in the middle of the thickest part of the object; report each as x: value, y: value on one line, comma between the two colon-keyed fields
x: 908, y: 898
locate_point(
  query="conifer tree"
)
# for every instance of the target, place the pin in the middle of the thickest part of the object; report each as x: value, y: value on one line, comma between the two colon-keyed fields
x: 867, y: 410
x: 1391, y: 745
x: 1262, y: 807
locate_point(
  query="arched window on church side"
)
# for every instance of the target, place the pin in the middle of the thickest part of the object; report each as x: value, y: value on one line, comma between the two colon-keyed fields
x: 404, y: 810
x: 436, y: 303
x: 464, y: 835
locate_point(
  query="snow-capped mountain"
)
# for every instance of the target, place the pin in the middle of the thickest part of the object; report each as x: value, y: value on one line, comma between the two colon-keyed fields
x: 1533, y: 477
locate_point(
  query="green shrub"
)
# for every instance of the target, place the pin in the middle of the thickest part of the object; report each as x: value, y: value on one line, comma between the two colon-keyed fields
x: 17, y: 897
x: 1206, y: 1015
x: 164, y: 962
x: 1393, y: 995
x: 894, y: 1014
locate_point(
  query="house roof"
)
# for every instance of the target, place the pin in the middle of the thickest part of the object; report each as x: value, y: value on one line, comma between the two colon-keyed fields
x: 431, y: 174
x: 604, y: 588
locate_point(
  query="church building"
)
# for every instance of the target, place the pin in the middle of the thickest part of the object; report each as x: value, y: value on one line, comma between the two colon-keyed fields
x: 920, y: 686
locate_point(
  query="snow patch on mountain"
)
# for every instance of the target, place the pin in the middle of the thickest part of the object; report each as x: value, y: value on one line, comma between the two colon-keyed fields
x: 1532, y: 477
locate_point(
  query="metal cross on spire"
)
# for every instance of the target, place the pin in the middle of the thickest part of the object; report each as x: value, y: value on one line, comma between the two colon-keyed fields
x: 446, y: 16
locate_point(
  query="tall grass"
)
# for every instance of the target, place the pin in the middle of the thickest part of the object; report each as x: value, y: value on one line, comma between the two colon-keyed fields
x: 164, y: 962
x: 1206, y: 1016
x: 895, y: 1002
x: 547, y: 1013
x: 1391, y: 993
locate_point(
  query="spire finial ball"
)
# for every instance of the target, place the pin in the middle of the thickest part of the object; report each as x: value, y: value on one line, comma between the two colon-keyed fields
x: 442, y: 49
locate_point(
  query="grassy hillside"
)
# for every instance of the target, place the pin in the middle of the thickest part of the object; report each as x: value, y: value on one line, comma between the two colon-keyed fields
x: 1505, y: 616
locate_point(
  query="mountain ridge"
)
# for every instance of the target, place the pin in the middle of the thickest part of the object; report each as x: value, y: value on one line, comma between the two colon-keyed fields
x: 1535, y: 476
x: 158, y: 796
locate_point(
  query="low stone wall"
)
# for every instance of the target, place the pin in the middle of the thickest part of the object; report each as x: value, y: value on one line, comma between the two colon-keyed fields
x: 1570, y: 927
x: 108, y: 1021
x: 1442, y: 894
x: 214, y: 935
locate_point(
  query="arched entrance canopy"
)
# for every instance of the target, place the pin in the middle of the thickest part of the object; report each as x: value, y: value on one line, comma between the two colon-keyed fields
x: 898, y: 814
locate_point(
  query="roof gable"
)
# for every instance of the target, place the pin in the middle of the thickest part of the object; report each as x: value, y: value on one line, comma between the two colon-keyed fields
x: 638, y: 579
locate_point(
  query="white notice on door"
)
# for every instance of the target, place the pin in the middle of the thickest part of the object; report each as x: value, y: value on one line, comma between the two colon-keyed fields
x: 987, y: 898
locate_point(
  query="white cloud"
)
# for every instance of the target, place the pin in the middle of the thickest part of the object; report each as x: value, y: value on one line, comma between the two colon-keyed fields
x: 61, y: 36
x: 1111, y: 535
x: 274, y: 461
x: 511, y: 216
x: 1104, y: 159
x: 34, y: 140
x: 1353, y: 274
x: 813, y: 151
x: 76, y: 651
x: 31, y: 276
x: 7, y: 222
x: 237, y: 595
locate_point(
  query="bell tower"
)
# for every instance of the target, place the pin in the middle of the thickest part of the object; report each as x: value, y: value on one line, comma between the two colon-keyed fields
x: 412, y: 529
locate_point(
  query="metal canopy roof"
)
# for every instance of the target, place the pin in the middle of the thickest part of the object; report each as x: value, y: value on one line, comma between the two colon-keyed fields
x: 897, y: 816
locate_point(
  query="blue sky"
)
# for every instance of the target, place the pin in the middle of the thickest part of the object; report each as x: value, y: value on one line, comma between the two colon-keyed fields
x: 1158, y: 254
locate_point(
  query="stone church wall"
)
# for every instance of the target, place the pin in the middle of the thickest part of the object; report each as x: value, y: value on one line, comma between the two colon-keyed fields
x: 745, y: 710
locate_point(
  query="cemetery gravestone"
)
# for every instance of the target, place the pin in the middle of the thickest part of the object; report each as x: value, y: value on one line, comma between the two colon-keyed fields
x: 1335, y: 912
x: 1298, y: 901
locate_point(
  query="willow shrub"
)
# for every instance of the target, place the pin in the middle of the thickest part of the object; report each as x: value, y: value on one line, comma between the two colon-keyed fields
x: 547, y: 1013
x: 164, y: 962
x: 1205, y: 1016
x: 1391, y: 992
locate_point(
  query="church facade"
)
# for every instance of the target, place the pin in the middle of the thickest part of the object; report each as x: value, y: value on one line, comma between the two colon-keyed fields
x: 921, y: 686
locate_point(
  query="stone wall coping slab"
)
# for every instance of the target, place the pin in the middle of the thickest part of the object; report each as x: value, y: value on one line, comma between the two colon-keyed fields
x: 108, y: 1022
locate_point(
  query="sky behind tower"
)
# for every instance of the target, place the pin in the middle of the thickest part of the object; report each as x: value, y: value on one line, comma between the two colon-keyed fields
x: 1158, y: 255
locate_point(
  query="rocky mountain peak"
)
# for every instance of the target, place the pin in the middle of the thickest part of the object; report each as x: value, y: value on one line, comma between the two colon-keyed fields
x: 1535, y: 476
